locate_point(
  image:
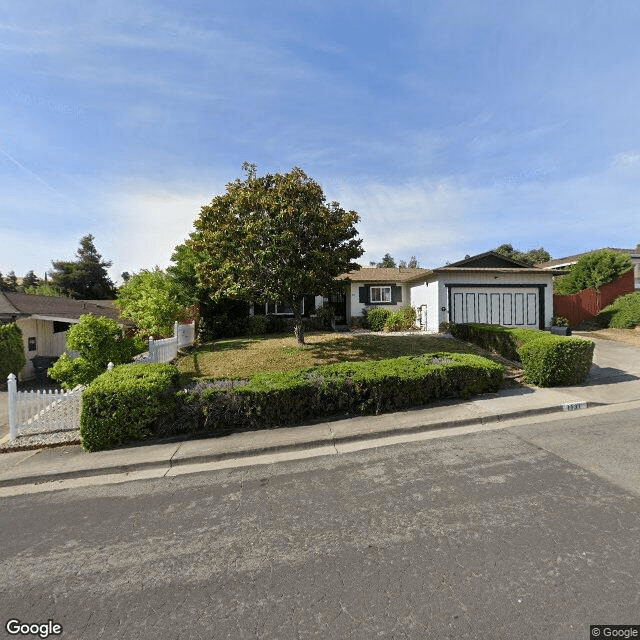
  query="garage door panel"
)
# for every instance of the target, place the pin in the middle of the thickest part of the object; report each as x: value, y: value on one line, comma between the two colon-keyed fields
x: 470, y: 307
x: 496, y: 309
x: 532, y: 309
x: 507, y: 308
x: 483, y: 308
x: 517, y: 307
x: 458, y: 308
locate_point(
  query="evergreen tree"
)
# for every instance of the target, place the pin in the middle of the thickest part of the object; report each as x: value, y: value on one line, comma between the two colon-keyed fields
x: 30, y: 280
x: 10, y: 282
x: 86, y: 278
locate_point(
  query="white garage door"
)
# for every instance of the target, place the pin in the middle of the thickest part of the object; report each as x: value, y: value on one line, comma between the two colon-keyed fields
x: 511, y: 307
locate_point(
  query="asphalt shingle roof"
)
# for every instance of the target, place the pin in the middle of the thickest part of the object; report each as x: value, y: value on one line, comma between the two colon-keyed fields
x: 63, y: 308
x: 382, y: 274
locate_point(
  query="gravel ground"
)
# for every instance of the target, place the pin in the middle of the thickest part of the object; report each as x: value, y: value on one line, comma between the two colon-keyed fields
x: 48, y: 428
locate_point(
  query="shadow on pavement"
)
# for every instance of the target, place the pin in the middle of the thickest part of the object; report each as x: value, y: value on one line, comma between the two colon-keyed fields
x: 607, y: 375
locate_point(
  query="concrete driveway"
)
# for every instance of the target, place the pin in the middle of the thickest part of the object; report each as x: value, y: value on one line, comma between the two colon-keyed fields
x: 614, y: 375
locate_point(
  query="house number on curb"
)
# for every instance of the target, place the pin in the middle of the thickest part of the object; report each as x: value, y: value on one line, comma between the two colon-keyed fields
x: 573, y: 406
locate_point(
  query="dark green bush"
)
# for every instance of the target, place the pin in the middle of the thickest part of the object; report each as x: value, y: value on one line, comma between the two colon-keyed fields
x: 553, y: 361
x: 258, y: 325
x: 98, y: 341
x: 12, y: 358
x: 622, y: 313
x: 125, y: 403
x: 402, y: 319
x: 560, y: 321
x: 283, y: 398
x: 376, y: 317
x: 494, y: 337
x: 394, y: 321
x: 557, y: 361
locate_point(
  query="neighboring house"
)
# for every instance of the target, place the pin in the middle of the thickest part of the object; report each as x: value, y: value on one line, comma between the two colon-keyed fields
x: 560, y: 263
x: 488, y: 288
x: 44, y: 321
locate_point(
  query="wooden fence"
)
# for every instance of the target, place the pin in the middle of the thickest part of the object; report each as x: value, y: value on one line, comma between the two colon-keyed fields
x: 584, y: 305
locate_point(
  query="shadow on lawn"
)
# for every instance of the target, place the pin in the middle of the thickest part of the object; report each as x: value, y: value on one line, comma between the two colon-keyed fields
x: 379, y: 347
x: 232, y: 344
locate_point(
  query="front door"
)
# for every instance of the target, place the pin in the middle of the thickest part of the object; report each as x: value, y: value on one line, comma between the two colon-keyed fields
x: 339, y: 303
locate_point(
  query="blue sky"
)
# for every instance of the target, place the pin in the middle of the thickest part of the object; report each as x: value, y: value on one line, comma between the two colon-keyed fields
x: 450, y: 128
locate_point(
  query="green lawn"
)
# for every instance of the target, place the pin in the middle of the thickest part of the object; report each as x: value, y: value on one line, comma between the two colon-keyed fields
x: 240, y: 357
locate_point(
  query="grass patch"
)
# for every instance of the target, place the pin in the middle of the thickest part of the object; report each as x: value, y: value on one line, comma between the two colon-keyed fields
x: 242, y: 357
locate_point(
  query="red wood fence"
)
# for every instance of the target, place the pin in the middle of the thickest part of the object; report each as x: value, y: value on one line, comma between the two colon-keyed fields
x: 584, y: 305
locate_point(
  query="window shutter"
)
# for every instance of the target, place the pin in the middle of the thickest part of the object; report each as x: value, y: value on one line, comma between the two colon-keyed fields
x: 364, y: 294
x: 309, y: 304
x: 396, y: 294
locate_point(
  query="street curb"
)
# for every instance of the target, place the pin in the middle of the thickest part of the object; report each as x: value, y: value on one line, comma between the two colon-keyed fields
x: 282, y: 448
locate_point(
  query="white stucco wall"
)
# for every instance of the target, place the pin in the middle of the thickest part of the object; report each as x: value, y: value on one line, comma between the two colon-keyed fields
x: 355, y: 308
x: 435, y: 294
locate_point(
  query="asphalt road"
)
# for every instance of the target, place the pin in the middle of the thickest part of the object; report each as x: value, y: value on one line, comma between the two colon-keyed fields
x: 527, y: 532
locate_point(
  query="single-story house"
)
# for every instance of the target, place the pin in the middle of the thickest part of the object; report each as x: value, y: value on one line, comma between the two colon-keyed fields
x: 44, y: 321
x: 560, y: 263
x: 488, y: 287
x: 374, y: 287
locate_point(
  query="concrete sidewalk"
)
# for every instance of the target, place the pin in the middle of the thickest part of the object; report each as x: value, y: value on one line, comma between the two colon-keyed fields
x: 614, y: 379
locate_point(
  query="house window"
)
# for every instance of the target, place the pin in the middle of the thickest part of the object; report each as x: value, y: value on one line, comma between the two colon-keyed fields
x: 280, y: 309
x: 59, y: 327
x: 380, y: 294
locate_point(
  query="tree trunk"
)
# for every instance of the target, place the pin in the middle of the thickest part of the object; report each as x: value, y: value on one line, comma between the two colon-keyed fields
x: 298, y: 328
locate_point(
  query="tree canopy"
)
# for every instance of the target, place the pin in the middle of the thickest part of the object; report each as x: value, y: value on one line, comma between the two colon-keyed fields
x: 152, y: 300
x: 530, y: 257
x: 592, y: 270
x: 389, y: 261
x: 85, y: 278
x: 274, y: 238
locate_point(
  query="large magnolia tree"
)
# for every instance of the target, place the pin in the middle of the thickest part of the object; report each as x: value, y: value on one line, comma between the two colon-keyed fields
x: 274, y: 238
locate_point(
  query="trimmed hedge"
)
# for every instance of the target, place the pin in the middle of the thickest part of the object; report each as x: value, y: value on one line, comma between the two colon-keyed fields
x: 493, y: 337
x: 554, y: 361
x: 548, y: 360
x: 125, y: 403
x: 275, y: 399
x: 12, y: 358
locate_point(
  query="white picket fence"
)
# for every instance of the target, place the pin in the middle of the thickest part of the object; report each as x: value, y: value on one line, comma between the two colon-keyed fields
x: 166, y: 350
x: 33, y: 410
x: 60, y: 410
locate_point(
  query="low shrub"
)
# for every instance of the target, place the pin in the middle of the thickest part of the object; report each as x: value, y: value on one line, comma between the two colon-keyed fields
x: 123, y: 404
x: 553, y: 361
x: 394, y: 321
x: 376, y: 318
x: 560, y: 321
x: 401, y: 320
x: 494, y: 337
x: 257, y: 325
x: 273, y: 399
x: 622, y: 313
x: 409, y: 314
x: 556, y: 361
x: 12, y: 358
